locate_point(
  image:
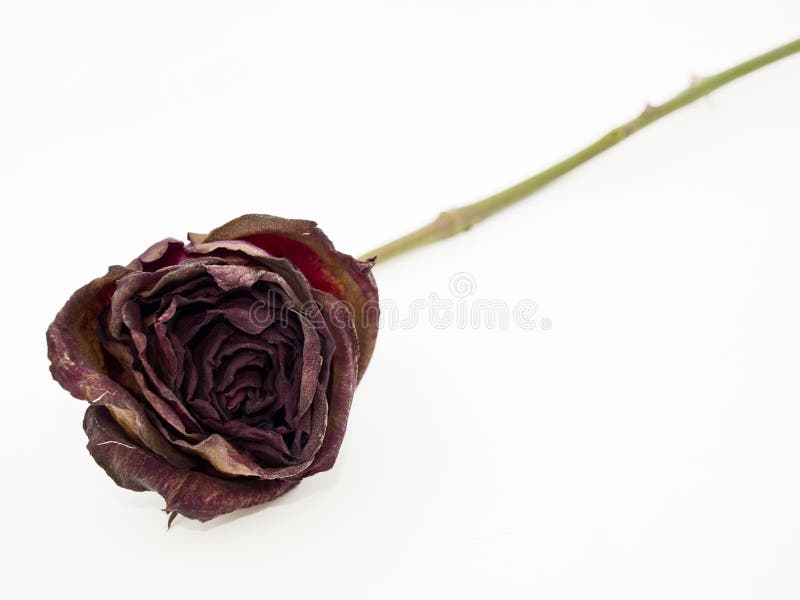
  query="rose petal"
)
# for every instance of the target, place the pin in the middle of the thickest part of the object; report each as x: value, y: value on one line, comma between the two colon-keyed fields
x: 161, y: 254
x: 191, y: 493
x: 310, y: 250
x: 342, y: 386
x: 76, y: 357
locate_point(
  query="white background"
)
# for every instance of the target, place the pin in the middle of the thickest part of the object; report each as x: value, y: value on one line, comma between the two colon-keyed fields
x: 646, y: 446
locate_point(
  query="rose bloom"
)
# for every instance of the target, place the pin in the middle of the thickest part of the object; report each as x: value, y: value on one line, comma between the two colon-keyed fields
x: 219, y: 373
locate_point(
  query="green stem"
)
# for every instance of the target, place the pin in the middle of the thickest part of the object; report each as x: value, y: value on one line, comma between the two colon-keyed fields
x: 456, y: 220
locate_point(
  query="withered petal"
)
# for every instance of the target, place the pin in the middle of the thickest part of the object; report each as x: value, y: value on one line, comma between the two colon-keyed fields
x: 220, y: 373
x: 75, y: 352
x: 328, y: 270
x: 342, y: 386
x: 190, y: 493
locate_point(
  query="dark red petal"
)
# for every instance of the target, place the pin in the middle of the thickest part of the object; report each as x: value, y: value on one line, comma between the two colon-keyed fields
x: 166, y: 253
x: 76, y: 358
x: 343, y: 381
x: 77, y: 363
x: 328, y: 270
x: 191, y: 493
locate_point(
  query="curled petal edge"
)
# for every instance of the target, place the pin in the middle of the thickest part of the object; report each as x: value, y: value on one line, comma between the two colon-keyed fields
x: 190, y: 493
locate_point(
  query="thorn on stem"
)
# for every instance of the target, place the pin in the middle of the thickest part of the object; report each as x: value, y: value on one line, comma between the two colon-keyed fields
x: 695, y: 79
x: 171, y: 518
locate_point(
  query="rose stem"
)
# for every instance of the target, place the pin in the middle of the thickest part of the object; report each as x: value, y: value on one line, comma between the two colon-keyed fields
x: 456, y: 220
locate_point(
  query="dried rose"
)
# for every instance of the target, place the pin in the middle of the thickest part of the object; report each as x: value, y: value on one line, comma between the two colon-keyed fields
x: 219, y: 373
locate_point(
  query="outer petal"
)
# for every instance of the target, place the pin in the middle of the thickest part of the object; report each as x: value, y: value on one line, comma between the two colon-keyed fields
x: 342, y: 386
x: 165, y: 253
x: 191, y: 493
x: 76, y: 358
x: 76, y: 362
x: 328, y: 270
